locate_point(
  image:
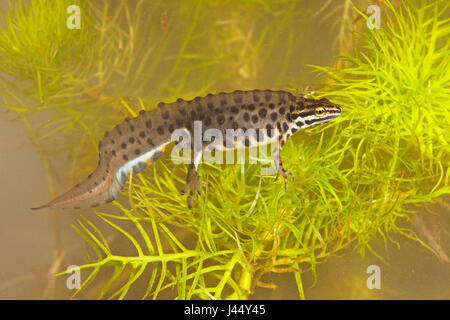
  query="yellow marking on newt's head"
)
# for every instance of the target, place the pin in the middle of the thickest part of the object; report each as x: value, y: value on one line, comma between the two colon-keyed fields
x: 149, y: 161
x: 163, y: 148
x: 319, y: 111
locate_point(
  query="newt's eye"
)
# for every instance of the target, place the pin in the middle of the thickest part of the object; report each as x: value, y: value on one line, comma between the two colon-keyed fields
x: 319, y: 111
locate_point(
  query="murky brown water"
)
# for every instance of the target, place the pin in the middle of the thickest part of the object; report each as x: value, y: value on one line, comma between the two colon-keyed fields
x: 28, y: 240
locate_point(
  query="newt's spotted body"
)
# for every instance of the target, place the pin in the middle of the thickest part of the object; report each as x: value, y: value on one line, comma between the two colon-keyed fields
x: 138, y: 142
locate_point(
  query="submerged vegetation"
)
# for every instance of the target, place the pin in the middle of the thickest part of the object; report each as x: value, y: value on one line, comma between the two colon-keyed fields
x: 353, y: 177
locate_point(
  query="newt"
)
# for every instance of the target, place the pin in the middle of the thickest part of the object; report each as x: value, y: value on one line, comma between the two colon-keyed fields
x: 138, y: 142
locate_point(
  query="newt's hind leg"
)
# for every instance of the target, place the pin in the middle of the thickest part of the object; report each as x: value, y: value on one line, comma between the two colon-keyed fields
x: 193, y: 183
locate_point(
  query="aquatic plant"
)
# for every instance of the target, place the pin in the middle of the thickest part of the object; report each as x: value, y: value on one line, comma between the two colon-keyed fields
x: 353, y: 178
x: 396, y: 91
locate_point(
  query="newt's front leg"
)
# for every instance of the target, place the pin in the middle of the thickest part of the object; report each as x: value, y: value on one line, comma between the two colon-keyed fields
x: 279, y: 163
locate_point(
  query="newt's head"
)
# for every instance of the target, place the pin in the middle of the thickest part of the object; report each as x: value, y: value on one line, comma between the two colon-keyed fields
x: 309, y: 112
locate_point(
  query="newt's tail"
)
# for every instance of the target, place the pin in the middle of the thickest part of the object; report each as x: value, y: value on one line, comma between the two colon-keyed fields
x: 95, y: 190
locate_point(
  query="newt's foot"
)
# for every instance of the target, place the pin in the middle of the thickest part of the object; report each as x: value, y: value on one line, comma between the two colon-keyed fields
x: 284, y: 173
x: 192, y: 186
